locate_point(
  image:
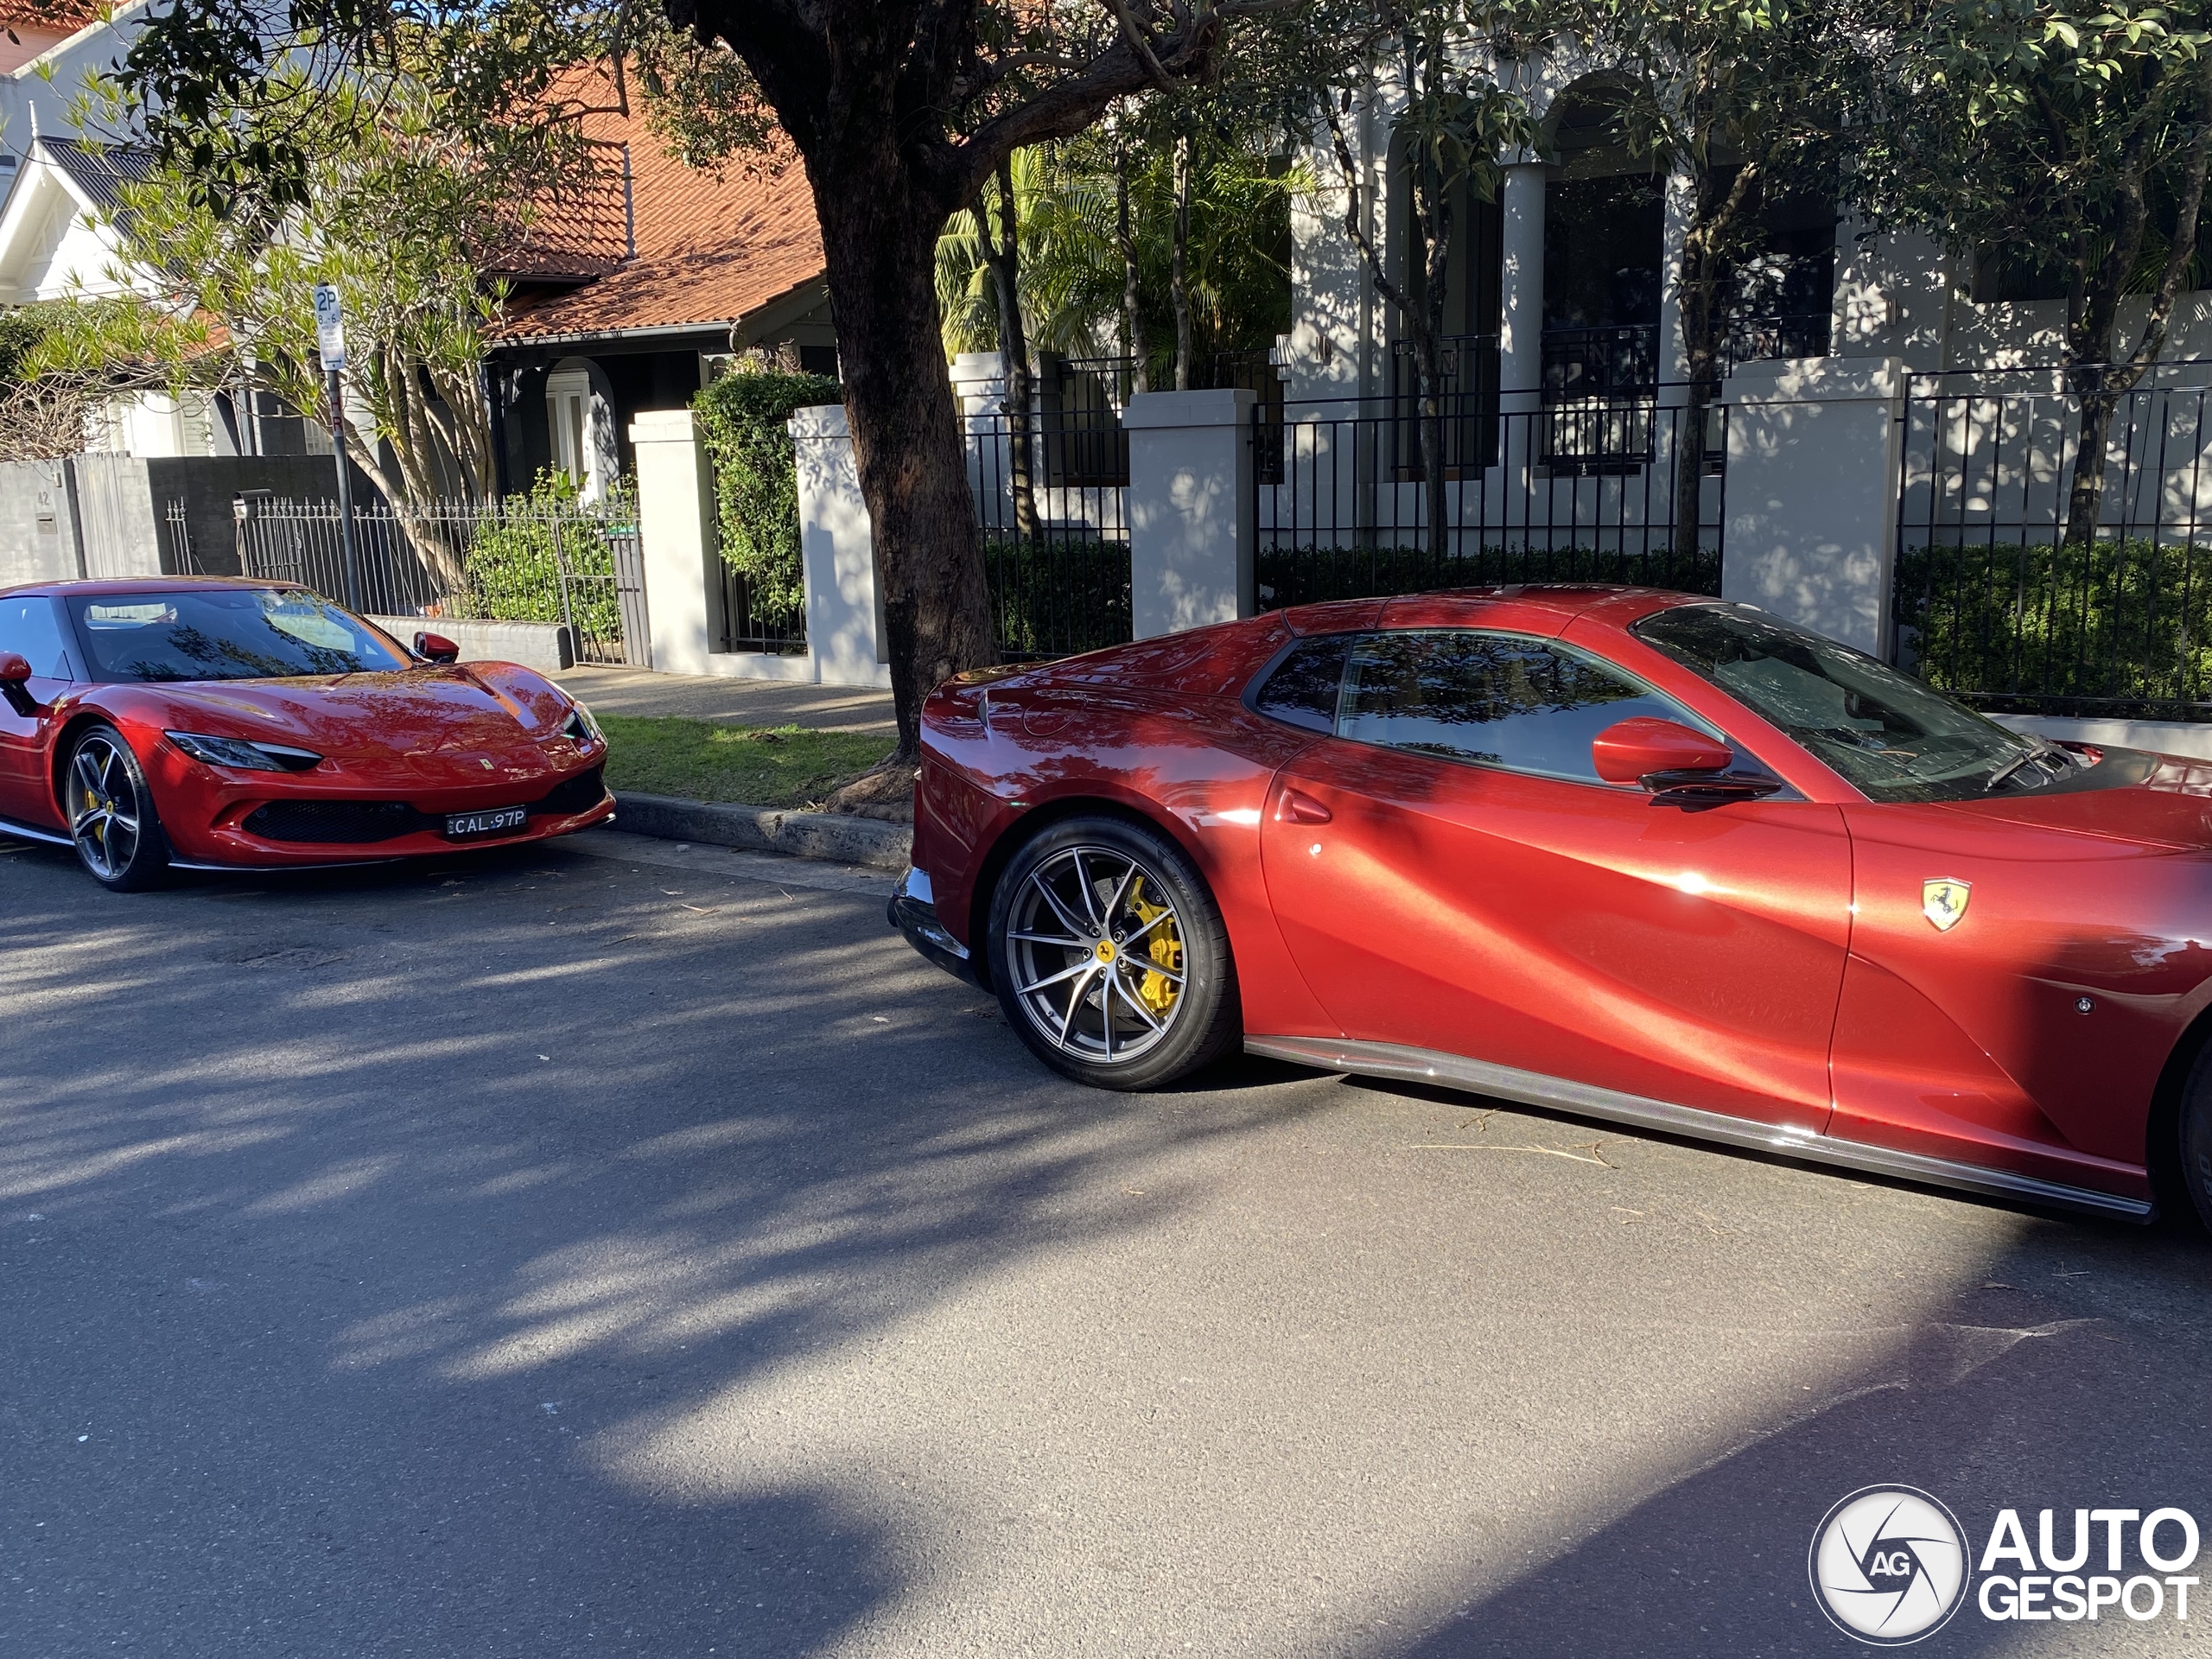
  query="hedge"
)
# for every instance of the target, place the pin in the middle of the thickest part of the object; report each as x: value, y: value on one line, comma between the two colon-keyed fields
x: 745, y: 418
x: 2125, y: 624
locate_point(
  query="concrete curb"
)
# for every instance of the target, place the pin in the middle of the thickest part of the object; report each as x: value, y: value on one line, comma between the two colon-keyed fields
x: 833, y: 835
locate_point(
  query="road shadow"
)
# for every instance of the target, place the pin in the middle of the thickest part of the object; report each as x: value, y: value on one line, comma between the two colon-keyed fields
x: 2028, y: 1390
x: 350, y: 1219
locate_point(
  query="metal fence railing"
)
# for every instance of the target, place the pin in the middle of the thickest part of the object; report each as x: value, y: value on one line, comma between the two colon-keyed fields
x: 1056, y: 543
x: 576, y: 563
x: 1590, y: 489
x: 745, y: 624
x: 1997, y: 602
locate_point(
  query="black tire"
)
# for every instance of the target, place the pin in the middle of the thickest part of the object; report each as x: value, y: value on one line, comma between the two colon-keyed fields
x: 1074, y: 909
x: 2195, y: 1148
x: 109, y: 809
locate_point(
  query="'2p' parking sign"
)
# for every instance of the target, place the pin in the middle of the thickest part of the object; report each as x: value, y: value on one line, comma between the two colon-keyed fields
x: 329, y: 329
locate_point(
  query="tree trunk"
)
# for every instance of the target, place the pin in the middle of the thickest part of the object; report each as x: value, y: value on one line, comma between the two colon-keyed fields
x: 1004, y: 257
x: 1178, y: 282
x: 1136, y: 344
x: 1704, y: 272
x: 1698, y: 292
x: 879, y: 239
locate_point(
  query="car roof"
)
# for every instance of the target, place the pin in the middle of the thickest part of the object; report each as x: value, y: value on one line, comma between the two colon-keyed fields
x: 121, y: 587
x: 1540, y: 607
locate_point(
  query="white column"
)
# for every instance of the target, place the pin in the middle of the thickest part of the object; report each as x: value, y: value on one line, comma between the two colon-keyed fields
x: 1521, y: 320
x: 844, y: 615
x: 1190, y: 509
x: 1813, y: 453
x: 675, y: 530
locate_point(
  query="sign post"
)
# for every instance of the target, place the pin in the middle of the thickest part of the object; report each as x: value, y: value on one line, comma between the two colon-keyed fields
x: 330, y: 343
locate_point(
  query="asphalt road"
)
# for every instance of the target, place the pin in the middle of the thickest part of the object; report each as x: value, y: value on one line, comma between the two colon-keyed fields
x: 559, y: 1254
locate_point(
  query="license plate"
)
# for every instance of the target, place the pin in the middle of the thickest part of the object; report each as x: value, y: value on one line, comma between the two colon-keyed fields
x: 498, y: 819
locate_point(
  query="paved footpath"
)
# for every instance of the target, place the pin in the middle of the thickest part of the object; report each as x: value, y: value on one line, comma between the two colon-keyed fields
x: 599, y: 1250
x: 746, y: 702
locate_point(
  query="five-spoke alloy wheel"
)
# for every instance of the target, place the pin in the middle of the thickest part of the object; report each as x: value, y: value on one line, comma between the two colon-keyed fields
x: 1109, y: 957
x: 111, y: 818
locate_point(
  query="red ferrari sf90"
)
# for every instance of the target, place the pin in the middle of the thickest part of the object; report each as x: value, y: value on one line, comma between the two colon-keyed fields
x: 196, y: 723
x: 1636, y: 855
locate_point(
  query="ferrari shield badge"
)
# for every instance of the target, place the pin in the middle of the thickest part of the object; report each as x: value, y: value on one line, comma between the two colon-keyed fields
x: 1943, y: 901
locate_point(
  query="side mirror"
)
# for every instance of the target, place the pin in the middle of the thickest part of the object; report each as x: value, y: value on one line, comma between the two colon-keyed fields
x: 1680, y: 767
x: 436, y: 648
x: 15, y: 677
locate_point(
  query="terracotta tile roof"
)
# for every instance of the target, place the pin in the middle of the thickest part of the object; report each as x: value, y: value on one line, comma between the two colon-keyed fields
x: 66, y: 15
x: 709, y: 250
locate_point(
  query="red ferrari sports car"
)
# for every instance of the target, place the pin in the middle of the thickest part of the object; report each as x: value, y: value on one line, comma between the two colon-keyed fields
x: 1637, y: 856
x: 198, y: 723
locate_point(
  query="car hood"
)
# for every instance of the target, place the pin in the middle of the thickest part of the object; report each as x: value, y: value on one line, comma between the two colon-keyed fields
x: 423, y: 725
x: 2149, y: 800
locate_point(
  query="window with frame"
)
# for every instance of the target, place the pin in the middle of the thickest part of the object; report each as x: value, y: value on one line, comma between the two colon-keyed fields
x: 30, y: 629
x: 1492, y: 699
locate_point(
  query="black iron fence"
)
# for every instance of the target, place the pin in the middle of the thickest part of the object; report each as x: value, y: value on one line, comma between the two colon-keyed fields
x: 575, y: 563
x: 744, y: 622
x: 2000, y: 601
x: 1056, y: 545
x: 1346, y: 515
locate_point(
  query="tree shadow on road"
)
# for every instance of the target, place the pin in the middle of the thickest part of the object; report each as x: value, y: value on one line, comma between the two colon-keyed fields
x: 359, y: 1222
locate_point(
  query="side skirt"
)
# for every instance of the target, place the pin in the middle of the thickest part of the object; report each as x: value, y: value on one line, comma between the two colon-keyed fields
x: 1534, y: 1089
x: 24, y: 832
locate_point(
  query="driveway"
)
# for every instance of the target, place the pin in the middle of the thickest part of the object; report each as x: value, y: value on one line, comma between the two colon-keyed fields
x: 622, y: 1251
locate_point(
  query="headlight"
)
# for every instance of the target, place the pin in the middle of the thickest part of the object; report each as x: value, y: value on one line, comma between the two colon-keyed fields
x: 239, y: 755
x: 582, y: 726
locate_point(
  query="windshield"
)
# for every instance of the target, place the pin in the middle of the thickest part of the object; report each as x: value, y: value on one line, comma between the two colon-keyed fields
x: 1885, y: 732
x: 225, y: 634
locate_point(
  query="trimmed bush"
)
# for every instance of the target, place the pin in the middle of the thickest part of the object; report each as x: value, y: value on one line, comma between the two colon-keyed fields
x: 514, y: 560
x: 1057, y: 596
x: 2122, y: 626
x: 745, y: 419
x: 1306, y: 575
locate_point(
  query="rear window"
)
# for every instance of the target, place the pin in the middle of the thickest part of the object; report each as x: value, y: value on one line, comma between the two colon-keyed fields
x: 225, y: 634
x: 1301, y: 688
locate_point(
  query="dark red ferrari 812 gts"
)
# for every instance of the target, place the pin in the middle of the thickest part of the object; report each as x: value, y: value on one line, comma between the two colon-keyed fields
x: 197, y: 724
x: 1631, y: 855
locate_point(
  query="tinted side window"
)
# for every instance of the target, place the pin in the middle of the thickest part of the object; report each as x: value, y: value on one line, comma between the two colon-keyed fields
x: 1302, y: 689
x: 30, y: 629
x: 1498, y: 699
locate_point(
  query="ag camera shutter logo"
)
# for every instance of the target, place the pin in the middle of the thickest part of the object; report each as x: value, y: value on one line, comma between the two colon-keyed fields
x: 1889, y: 1565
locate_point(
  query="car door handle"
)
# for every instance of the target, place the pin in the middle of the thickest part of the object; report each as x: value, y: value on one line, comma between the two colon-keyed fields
x: 1298, y: 807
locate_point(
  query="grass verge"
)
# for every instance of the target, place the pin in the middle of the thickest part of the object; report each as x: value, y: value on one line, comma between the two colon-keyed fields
x: 757, y: 765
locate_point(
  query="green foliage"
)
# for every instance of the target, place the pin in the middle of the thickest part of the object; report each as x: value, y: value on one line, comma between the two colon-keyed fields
x: 514, y: 563
x: 2043, y: 129
x: 745, y: 417
x: 2126, y: 620
x: 1057, y: 596
x: 21, y: 328
x: 1306, y: 575
x: 1072, y: 270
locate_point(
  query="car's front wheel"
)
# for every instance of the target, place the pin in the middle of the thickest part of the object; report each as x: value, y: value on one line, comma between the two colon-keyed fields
x: 1110, y: 957
x: 112, y: 817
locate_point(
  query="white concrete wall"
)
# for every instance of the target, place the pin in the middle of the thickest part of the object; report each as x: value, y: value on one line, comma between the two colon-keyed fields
x: 1190, y: 506
x: 547, y: 646
x: 1812, y: 462
x: 677, y: 515
x: 844, y: 615
x: 675, y: 530
x: 38, y: 533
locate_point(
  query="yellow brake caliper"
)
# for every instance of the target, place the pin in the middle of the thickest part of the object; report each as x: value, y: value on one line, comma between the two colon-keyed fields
x: 1164, y: 946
